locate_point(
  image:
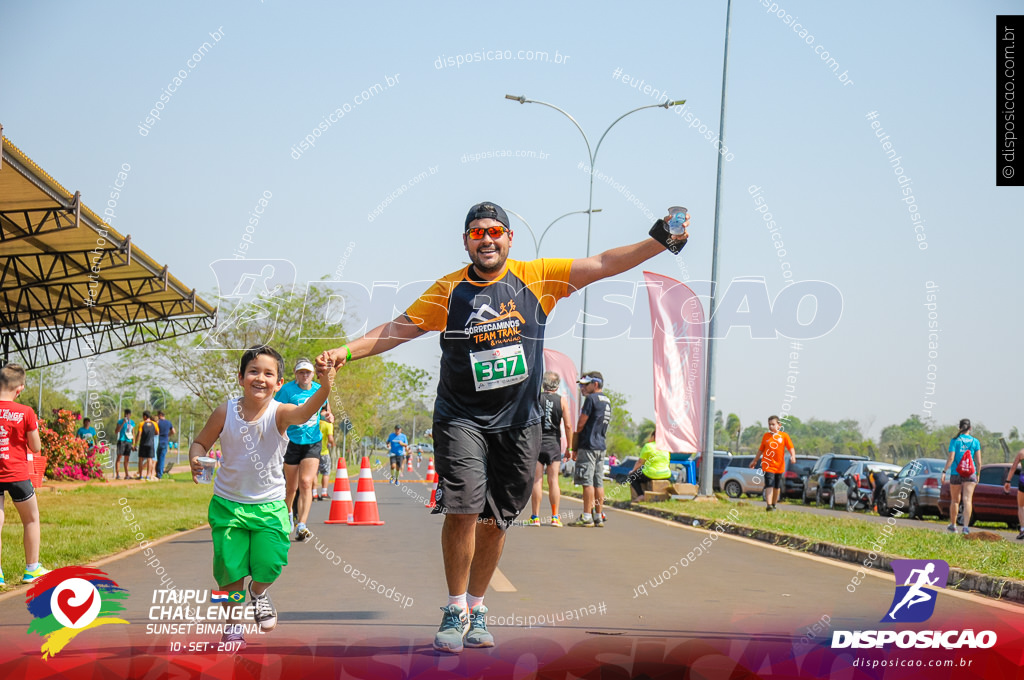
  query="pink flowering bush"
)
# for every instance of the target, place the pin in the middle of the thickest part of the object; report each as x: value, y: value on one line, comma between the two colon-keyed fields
x: 68, y: 457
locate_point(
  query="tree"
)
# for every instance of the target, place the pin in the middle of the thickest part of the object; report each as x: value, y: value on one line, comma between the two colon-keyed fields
x: 733, y: 429
x: 298, y: 327
x: 621, y: 436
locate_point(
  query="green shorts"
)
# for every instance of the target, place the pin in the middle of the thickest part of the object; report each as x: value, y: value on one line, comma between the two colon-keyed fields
x: 248, y: 540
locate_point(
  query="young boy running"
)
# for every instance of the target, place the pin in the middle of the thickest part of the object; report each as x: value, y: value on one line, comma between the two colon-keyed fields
x: 248, y: 516
x: 19, y: 439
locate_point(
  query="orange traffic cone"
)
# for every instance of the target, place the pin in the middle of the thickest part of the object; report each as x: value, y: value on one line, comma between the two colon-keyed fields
x: 431, y: 472
x: 341, y: 498
x: 408, y: 467
x: 365, y: 512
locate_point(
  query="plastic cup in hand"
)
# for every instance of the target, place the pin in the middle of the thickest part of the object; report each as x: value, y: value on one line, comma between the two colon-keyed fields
x: 675, y: 225
x: 206, y: 476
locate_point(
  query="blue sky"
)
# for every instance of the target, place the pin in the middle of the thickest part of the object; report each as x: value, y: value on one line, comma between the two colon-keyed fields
x: 78, y: 83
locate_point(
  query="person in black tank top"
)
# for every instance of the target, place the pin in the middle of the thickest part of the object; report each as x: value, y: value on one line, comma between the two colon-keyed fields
x: 554, y: 410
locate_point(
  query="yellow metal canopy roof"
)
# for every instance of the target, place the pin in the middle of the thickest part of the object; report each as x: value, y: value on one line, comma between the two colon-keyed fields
x: 72, y: 286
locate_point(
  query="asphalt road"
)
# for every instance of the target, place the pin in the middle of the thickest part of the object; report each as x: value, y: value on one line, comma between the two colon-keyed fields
x: 637, y: 589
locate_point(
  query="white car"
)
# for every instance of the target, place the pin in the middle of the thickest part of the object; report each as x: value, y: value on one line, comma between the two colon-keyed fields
x: 739, y: 478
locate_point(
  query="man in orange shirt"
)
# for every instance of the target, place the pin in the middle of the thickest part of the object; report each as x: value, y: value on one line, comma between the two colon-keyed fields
x: 771, y: 455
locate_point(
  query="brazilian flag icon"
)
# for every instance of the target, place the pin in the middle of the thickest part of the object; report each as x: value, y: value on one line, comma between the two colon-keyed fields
x: 237, y: 596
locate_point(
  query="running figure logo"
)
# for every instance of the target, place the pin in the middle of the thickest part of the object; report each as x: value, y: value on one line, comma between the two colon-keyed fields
x: 914, y: 601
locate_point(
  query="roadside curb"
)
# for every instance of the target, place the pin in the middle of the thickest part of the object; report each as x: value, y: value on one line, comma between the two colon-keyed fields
x: 997, y: 588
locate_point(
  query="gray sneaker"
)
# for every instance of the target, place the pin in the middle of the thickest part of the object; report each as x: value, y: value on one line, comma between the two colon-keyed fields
x: 477, y: 635
x: 951, y: 528
x: 582, y: 523
x: 263, y: 610
x: 232, y: 639
x: 966, y: 531
x: 453, y: 627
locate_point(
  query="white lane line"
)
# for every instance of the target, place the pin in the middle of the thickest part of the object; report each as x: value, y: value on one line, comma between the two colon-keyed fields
x: 500, y: 583
x: 886, y: 575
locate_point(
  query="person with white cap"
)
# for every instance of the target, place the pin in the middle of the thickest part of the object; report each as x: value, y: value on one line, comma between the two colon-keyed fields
x: 302, y: 457
x: 590, y: 448
x: 487, y: 416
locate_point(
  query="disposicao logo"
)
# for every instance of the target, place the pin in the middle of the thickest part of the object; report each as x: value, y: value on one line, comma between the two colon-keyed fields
x: 914, y: 602
x: 919, y: 578
x: 70, y: 600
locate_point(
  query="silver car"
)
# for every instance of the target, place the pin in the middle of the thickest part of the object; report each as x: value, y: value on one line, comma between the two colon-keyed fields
x: 920, y: 481
x: 739, y: 478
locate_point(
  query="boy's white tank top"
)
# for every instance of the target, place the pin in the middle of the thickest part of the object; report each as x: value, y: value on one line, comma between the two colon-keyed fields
x: 252, y: 467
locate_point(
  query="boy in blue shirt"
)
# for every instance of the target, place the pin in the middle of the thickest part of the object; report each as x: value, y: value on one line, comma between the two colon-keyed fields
x: 125, y: 438
x: 87, y: 432
x: 302, y: 457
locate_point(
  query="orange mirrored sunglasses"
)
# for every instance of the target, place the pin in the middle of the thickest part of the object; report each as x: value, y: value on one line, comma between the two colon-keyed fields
x: 477, y: 233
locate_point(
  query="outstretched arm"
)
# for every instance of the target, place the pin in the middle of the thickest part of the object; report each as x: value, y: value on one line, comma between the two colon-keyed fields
x: 381, y: 339
x: 290, y: 414
x: 617, y: 260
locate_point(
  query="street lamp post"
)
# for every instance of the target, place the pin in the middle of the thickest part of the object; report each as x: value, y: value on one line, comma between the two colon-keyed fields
x: 537, y: 243
x: 708, y: 462
x: 592, y: 155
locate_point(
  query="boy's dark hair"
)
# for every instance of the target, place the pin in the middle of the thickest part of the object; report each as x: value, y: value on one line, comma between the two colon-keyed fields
x: 86, y: 420
x: 257, y: 350
x: 127, y: 411
x: 12, y: 376
x: 146, y: 416
x: 159, y: 413
x: 775, y: 418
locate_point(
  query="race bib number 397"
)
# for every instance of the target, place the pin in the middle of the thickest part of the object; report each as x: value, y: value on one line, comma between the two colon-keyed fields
x: 499, y: 367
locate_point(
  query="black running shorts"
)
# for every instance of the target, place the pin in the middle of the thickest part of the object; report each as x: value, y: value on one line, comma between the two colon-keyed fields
x: 296, y: 453
x: 550, y: 450
x: 489, y: 474
x: 20, y: 491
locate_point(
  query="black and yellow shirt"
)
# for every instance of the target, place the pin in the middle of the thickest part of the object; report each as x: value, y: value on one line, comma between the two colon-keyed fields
x: 492, y: 341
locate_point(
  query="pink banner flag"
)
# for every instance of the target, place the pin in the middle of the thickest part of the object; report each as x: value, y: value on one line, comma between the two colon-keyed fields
x: 677, y: 324
x: 566, y: 370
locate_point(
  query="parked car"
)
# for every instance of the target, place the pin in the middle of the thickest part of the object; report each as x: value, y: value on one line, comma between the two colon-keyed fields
x: 818, y: 485
x: 853, y: 488
x: 990, y: 503
x: 739, y: 478
x: 427, y: 448
x: 793, y: 482
x: 914, y: 490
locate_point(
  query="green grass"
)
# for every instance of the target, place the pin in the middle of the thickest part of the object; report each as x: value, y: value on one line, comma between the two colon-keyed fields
x: 998, y: 558
x: 87, y: 522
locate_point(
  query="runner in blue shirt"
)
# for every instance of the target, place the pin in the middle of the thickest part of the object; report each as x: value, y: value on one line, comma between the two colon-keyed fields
x: 302, y: 457
x: 125, y: 436
x: 963, y: 463
x: 398, y: 444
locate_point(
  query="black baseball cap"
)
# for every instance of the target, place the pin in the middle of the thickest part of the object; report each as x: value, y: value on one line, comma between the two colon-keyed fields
x: 484, y: 210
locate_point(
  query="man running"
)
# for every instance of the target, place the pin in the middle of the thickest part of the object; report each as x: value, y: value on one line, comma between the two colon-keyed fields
x: 398, y: 444
x: 487, y: 415
x: 327, y: 443
x: 555, y: 411
x: 590, y: 449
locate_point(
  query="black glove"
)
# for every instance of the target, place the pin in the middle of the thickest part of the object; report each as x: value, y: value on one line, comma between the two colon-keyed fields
x: 659, y: 232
